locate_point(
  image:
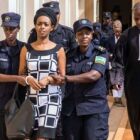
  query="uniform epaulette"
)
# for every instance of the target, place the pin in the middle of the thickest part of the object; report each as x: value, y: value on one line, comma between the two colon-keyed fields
x: 100, y: 48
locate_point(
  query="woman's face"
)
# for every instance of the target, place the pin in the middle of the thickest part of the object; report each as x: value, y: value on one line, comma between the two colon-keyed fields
x: 43, y: 26
x: 84, y: 37
x: 10, y: 33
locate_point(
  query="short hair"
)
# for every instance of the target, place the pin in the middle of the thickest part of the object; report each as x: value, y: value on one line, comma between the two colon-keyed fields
x: 117, y: 23
x: 136, y: 6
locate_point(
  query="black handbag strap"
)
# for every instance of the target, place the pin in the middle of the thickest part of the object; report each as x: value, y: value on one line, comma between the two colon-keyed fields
x: 16, y: 90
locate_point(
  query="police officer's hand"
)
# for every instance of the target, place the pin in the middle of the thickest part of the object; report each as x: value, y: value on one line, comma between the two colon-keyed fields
x: 21, y: 80
x: 58, y: 79
x: 117, y: 86
x: 33, y: 83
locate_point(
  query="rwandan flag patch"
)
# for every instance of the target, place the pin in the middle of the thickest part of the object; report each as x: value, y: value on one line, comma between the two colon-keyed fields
x: 100, y: 60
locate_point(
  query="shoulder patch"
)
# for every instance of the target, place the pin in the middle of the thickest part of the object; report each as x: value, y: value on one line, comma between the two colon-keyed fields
x: 100, y: 60
x: 102, y: 49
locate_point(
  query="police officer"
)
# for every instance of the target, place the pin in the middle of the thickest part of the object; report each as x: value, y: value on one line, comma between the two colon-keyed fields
x: 9, y: 63
x: 107, y: 24
x: 62, y: 34
x: 85, y: 108
x: 98, y: 34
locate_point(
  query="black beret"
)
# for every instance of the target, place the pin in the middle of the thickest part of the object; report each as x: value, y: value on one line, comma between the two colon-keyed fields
x: 97, y: 26
x: 107, y: 15
x: 82, y: 23
x: 46, y: 12
x: 54, y: 5
x: 10, y: 19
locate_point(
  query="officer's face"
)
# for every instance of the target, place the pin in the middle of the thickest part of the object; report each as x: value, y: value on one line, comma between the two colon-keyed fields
x: 43, y: 26
x: 84, y: 36
x: 137, y: 17
x: 107, y: 21
x: 10, y: 33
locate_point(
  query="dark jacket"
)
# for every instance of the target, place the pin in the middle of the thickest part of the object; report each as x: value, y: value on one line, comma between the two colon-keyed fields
x: 86, y: 98
x: 9, y: 64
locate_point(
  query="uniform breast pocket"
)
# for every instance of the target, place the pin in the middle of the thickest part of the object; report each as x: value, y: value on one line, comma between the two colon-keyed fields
x: 87, y: 67
x: 4, y: 64
x: 69, y: 69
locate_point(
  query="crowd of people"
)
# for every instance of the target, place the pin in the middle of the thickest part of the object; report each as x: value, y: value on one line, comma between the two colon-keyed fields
x: 70, y: 72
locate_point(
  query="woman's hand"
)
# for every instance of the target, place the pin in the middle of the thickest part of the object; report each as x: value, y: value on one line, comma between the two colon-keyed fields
x: 44, y: 82
x: 33, y: 83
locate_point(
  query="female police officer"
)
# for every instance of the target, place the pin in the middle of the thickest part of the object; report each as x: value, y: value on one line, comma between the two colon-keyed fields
x: 85, y: 108
x: 9, y: 62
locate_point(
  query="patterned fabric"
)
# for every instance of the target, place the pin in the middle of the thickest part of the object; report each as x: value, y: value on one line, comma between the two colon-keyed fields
x: 47, y: 102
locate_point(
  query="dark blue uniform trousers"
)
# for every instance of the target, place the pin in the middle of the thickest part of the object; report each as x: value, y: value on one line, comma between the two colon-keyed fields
x: 87, y: 127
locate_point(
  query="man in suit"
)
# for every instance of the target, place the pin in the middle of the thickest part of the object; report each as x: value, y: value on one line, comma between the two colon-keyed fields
x: 111, y: 43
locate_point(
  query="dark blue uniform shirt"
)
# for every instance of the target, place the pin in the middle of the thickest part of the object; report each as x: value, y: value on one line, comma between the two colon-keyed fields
x: 86, y: 98
x: 9, y: 64
x: 99, y: 39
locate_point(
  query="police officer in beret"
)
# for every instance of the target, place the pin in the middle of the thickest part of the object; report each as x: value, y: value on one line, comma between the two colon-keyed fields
x: 107, y: 24
x: 62, y: 34
x: 98, y: 34
x: 9, y: 63
x: 85, y: 109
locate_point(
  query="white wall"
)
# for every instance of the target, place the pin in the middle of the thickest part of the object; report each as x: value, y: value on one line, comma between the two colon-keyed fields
x: 27, y: 8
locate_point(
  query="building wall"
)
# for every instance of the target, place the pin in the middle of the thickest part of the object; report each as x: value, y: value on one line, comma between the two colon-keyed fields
x: 27, y: 8
x: 71, y: 10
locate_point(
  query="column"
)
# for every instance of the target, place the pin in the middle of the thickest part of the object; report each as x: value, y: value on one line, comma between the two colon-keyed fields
x: 81, y: 8
x: 24, y: 17
x: 4, y: 8
x: 89, y: 6
x: 65, y: 12
x: 74, y: 10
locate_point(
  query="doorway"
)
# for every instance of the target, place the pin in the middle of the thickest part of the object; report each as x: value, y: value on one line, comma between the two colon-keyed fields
x: 122, y: 7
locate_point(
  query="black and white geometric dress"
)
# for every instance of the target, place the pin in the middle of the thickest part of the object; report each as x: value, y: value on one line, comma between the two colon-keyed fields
x: 47, y: 102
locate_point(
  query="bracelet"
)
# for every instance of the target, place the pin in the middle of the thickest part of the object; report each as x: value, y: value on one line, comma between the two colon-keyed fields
x: 26, y: 79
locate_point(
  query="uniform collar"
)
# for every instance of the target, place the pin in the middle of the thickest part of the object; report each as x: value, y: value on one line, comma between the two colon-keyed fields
x: 89, y: 51
x: 13, y: 50
x: 85, y: 55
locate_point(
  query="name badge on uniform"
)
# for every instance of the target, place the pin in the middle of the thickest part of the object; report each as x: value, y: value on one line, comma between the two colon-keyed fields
x: 68, y: 65
x: 3, y: 59
x: 100, y: 60
x: 89, y: 63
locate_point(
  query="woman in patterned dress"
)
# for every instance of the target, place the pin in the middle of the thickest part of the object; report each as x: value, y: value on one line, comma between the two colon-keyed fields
x: 42, y: 59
